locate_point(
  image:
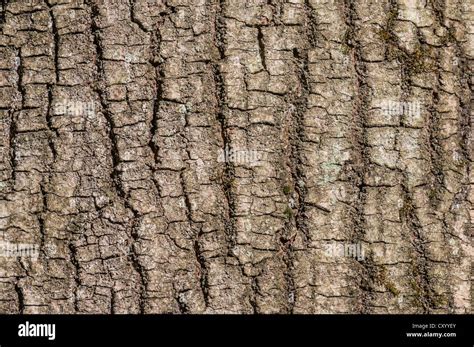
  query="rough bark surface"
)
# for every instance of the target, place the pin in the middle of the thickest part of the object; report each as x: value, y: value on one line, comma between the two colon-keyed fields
x: 131, y: 208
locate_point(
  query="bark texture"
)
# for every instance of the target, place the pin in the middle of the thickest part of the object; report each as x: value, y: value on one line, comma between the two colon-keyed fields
x: 133, y: 209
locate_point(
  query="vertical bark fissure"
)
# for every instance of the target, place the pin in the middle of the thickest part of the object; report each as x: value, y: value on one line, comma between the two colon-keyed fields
x: 14, y: 115
x: 77, y: 269
x: 359, y: 115
x: 20, y: 295
x: 115, y: 174
x: 261, y: 47
x: 56, y: 39
x: 3, y: 4
x: 159, y: 76
x: 220, y: 94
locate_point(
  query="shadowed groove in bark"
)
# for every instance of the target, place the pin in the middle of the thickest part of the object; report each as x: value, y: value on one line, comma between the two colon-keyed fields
x: 465, y: 124
x: 465, y: 101
x: 261, y: 47
x: 182, y: 305
x: 203, y: 269
x: 435, y: 147
x: 253, y: 296
x: 390, y: 39
x: 40, y: 215
x: 133, y: 18
x: 20, y: 296
x: 137, y: 265
x: 420, y: 278
x: 103, y: 101
x: 12, y: 134
x: 13, y: 120
x: 229, y: 169
x: 3, y: 5
x: 285, y: 241
x: 421, y: 282
x: 134, y: 257
x: 77, y: 269
x: 295, y: 161
x: 113, y: 300
x: 20, y: 73
x: 436, y: 152
x: 362, y: 162
x: 156, y: 62
x: 220, y: 94
x: 288, y: 260
x: 55, y: 32
x: 298, y: 138
x: 197, y: 231
x: 53, y: 133
x: 311, y: 24
x: 158, y: 98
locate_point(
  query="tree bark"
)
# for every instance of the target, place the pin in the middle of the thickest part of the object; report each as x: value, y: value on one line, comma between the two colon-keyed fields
x: 227, y: 156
